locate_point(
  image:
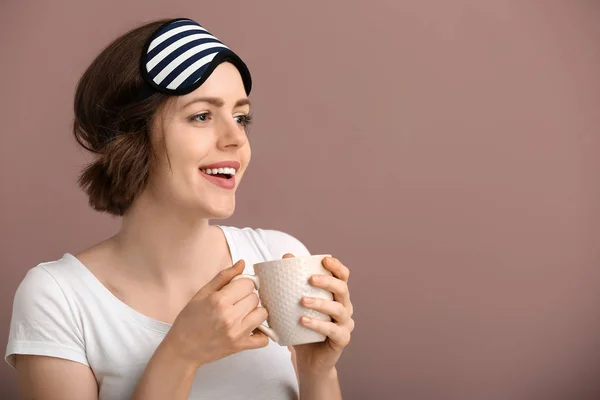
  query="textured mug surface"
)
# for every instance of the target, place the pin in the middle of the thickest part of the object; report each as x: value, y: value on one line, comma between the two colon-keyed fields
x: 281, y: 285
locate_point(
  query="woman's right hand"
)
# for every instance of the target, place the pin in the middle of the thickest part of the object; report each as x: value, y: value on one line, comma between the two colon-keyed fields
x: 219, y: 320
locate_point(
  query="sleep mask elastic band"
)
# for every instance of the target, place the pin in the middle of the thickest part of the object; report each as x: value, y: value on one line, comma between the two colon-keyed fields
x: 181, y: 55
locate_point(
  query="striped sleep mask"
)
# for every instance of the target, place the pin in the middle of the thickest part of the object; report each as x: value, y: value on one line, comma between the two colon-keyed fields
x: 181, y: 54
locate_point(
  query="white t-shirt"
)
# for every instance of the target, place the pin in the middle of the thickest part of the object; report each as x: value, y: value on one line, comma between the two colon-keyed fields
x: 61, y: 310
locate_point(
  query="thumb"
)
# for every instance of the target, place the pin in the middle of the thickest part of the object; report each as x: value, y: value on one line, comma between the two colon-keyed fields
x: 288, y: 255
x: 222, y: 278
x: 255, y: 341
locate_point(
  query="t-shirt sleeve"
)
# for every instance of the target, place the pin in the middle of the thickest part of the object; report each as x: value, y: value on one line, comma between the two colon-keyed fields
x: 280, y: 243
x: 43, y: 322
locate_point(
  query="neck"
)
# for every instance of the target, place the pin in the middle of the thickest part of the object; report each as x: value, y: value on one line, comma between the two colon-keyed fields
x: 164, y: 244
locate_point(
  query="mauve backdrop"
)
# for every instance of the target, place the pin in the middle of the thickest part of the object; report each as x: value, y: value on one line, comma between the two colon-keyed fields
x: 446, y: 151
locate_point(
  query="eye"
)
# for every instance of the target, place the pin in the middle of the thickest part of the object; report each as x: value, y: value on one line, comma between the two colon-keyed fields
x: 244, y: 120
x: 202, y: 117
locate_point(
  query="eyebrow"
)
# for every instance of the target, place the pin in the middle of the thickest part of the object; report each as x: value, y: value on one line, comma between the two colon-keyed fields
x: 217, y: 102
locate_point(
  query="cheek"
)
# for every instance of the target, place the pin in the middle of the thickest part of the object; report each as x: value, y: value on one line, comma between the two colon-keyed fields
x: 188, y: 149
x: 177, y: 165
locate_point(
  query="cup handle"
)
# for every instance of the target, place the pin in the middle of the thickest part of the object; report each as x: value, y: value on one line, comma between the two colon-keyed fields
x: 263, y: 328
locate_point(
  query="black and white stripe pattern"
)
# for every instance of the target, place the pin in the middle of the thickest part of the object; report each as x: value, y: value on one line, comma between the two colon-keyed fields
x: 177, y: 57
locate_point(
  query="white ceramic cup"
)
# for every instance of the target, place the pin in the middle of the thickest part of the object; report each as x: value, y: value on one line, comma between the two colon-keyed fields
x: 281, y: 284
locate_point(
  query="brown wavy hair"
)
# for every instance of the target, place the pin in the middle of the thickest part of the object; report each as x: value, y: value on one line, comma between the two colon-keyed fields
x: 114, y: 124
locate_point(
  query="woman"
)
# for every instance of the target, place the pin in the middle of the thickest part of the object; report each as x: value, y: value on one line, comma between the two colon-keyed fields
x: 151, y: 313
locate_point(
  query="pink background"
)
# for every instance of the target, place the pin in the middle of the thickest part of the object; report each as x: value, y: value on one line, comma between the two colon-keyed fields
x: 446, y: 151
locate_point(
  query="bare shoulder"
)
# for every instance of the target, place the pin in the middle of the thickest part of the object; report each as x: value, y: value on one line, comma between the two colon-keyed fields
x: 51, y: 378
x: 101, y: 261
x: 96, y: 257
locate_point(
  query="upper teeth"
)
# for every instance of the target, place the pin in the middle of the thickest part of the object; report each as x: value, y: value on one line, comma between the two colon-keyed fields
x: 214, y: 171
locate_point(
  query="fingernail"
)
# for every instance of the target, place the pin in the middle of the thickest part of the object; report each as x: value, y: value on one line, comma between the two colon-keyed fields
x: 316, y: 278
x: 308, y: 300
x: 305, y: 320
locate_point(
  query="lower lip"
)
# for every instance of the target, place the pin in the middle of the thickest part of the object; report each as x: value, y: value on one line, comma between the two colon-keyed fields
x: 222, y: 182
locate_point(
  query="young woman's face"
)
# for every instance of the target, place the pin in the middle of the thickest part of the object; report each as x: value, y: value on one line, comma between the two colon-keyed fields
x: 202, y: 147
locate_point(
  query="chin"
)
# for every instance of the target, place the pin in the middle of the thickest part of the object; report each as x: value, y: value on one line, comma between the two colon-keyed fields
x: 219, y: 210
x: 220, y: 214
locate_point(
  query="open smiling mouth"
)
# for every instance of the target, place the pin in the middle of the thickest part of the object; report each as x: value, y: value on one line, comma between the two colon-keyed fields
x: 226, y: 173
x: 223, y: 177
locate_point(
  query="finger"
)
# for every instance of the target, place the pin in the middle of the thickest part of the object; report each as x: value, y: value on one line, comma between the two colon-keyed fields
x: 350, y: 325
x: 243, y: 307
x: 334, y: 309
x: 255, y: 341
x: 222, y: 278
x: 336, y: 267
x: 254, y: 319
x: 336, y: 286
x: 338, y: 336
x: 288, y: 255
x: 236, y: 290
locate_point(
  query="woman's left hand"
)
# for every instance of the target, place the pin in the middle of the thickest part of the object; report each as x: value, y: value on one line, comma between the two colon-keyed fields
x: 320, y: 358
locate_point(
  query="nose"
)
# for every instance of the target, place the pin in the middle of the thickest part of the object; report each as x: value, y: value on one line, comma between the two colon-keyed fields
x: 231, y: 134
